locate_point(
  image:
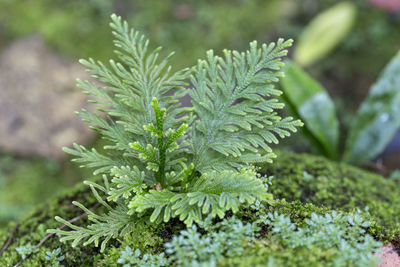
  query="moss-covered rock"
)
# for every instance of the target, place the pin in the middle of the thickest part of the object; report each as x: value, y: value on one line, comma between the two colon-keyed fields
x: 31, y: 229
x: 316, y: 180
x: 324, y: 184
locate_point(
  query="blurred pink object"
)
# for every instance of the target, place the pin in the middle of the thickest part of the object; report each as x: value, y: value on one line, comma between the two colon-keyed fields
x: 389, y: 5
x: 389, y: 256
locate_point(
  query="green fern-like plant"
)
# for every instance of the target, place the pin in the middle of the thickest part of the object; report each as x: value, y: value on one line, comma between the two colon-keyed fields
x: 164, y: 160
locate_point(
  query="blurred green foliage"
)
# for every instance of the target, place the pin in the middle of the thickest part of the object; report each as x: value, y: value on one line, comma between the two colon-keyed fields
x: 324, y: 32
x: 21, y: 182
x: 80, y: 28
x: 376, y: 123
x: 74, y: 28
x: 27, y: 182
x: 355, y: 63
x: 309, y: 101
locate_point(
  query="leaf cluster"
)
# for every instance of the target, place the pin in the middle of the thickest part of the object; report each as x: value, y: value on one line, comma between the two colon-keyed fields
x: 164, y: 160
x: 372, y: 129
x: 333, y: 238
x: 344, y: 236
x: 224, y: 239
x: 53, y: 258
x: 129, y: 258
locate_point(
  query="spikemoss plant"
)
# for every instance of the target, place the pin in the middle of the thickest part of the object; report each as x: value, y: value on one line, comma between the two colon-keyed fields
x: 164, y: 160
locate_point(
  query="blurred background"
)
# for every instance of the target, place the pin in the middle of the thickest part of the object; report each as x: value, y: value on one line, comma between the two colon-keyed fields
x: 42, y: 40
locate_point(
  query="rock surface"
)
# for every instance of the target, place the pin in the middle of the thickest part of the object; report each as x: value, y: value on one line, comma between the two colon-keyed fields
x: 38, y: 99
x: 389, y: 256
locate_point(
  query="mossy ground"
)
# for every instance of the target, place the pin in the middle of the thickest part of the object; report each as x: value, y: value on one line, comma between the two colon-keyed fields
x: 315, y: 180
x: 320, y: 185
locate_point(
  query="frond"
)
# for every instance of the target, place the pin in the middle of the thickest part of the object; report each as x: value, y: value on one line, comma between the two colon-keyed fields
x: 127, y: 89
x: 233, y: 102
x: 91, y: 159
x: 159, y: 201
x: 118, y: 137
x: 113, y: 223
x: 147, y: 76
x: 213, y: 193
x: 127, y: 182
x: 228, y: 189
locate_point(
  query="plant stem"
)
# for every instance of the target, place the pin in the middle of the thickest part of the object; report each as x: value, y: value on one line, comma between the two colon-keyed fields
x: 161, y: 167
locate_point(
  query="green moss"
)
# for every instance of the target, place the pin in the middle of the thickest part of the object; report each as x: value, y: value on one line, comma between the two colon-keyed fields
x: 33, y: 226
x: 22, y: 185
x: 25, y: 183
x: 271, y: 253
x: 315, y: 180
x: 328, y: 185
x: 80, y: 28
